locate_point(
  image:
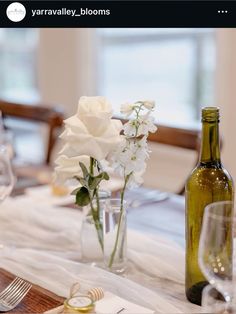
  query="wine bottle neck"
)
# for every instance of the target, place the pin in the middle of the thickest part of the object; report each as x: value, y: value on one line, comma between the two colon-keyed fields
x: 210, y: 147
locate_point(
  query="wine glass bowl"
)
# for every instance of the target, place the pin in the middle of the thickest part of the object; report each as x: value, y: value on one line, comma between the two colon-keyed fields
x: 216, y: 251
x: 7, y: 178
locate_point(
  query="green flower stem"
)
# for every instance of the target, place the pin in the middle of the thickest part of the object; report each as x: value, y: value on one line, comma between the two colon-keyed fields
x: 96, y: 213
x: 91, y: 165
x: 119, y: 222
x: 98, y: 225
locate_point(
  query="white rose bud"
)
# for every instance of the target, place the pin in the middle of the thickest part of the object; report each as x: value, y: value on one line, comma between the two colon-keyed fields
x: 149, y: 104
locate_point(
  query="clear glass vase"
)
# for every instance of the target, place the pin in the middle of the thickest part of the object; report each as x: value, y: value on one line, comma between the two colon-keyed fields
x: 91, y: 249
x: 91, y: 237
x: 115, y: 235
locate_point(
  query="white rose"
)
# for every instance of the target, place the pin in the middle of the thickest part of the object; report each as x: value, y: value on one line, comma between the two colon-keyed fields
x: 66, y: 168
x: 91, y: 131
x: 94, y: 112
x: 96, y: 105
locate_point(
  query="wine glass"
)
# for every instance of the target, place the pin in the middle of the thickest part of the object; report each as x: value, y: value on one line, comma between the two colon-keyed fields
x: 213, y: 302
x: 216, y: 248
x: 7, y: 178
x: 6, y: 138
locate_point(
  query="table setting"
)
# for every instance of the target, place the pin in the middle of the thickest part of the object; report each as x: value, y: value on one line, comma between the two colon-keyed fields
x: 40, y: 250
x: 95, y: 240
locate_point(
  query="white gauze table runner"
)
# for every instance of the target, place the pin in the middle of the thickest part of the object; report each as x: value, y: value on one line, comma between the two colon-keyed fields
x: 41, y: 243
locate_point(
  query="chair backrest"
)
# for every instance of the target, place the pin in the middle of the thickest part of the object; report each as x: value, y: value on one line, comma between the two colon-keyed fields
x: 51, y: 116
x: 178, y: 137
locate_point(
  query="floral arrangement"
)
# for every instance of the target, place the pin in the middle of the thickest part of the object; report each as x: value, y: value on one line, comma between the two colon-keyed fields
x: 94, y: 140
x: 90, y: 136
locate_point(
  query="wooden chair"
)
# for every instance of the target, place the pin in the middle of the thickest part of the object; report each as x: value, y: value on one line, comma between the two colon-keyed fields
x: 177, y: 137
x: 53, y: 117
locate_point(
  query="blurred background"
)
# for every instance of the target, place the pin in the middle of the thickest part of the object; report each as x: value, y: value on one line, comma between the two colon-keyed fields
x: 181, y: 69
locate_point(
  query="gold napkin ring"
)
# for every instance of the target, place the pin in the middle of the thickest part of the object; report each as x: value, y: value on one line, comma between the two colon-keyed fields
x: 82, y: 303
x: 79, y: 304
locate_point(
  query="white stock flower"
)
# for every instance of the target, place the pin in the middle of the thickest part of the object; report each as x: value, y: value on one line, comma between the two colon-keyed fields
x: 146, y: 125
x: 134, y: 164
x: 91, y: 131
x: 140, y: 147
x: 130, y: 128
x: 141, y: 126
x: 136, y: 179
x: 149, y: 104
x: 130, y: 157
x: 66, y: 168
x: 127, y: 109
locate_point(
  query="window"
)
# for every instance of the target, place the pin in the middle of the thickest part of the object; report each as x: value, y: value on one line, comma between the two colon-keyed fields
x: 18, y: 64
x: 174, y: 67
x: 18, y: 82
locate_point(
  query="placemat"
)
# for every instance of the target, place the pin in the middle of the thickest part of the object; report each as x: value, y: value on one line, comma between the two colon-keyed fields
x: 38, y: 300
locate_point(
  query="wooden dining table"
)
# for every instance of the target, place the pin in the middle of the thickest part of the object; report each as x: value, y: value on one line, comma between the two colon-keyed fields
x: 163, y: 218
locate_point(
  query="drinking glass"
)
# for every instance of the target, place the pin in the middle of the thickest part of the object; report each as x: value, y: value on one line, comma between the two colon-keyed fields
x: 217, y: 258
x: 7, y: 178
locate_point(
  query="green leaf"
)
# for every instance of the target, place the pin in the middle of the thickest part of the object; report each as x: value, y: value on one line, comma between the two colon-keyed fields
x: 82, y: 181
x: 84, y: 169
x: 82, y: 197
x: 74, y: 192
x: 93, y: 182
x: 106, y: 176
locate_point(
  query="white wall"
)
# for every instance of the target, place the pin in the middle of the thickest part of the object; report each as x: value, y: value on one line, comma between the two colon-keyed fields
x: 226, y: 94
x: 66, y: 66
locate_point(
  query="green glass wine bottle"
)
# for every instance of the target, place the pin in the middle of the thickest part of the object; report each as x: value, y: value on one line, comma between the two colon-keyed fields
x: 209, y: 182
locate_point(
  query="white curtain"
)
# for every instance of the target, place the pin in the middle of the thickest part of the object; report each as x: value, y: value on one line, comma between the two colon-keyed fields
x: 226, y: 93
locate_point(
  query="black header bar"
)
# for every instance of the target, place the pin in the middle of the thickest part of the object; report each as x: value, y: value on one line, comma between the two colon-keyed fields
x: 119, y: 14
